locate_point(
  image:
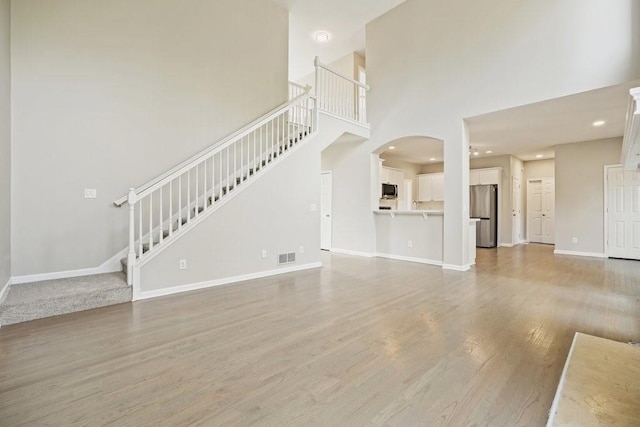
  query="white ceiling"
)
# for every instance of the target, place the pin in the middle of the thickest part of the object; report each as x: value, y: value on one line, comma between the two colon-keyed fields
x: 415, y: 149
x: 524, y: 131
x: 535, y: 128
x: 344, y: 20
x: 532, y: 130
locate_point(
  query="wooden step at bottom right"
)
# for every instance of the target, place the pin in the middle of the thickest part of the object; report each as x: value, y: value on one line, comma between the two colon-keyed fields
x: 600, y: 384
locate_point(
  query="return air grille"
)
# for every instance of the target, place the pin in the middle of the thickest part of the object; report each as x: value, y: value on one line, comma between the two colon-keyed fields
x: 287, y: 258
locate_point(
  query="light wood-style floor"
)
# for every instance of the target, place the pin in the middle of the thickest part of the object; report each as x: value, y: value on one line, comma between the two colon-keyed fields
x: 357, y: 342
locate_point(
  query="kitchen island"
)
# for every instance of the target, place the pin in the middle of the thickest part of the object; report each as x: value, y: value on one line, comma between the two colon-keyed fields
x: 415, y: 235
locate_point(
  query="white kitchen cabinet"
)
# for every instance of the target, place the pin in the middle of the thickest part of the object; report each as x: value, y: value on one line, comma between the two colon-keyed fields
x: 424, y: 188
x: 474, y: 177
x: 384, y: 175
x: 437, y: 187
x: 485, y: 176
x: 489, y: 176
x: 431, y: 187
x: 393, y: 176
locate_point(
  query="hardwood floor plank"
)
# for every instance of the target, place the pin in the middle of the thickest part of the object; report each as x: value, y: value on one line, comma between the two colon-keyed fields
x: 358, y: 342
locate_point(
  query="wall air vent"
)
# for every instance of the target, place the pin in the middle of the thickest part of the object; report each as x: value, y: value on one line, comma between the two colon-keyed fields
x: 287, y: 258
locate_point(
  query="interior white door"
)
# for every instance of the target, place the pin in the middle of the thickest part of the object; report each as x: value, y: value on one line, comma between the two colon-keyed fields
x: 516, y: 200
x: 623, y: 213
x: 548, y: 210
x: 325, y: 210
x: 534, y: 211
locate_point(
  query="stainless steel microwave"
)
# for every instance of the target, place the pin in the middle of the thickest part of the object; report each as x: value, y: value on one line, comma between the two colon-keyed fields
x: 389, y: 191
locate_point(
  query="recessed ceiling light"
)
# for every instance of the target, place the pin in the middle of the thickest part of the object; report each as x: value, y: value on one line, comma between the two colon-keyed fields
x: 488, y: 151
x: 322, y: 36
x: 539, y: 156
x: 598, y: 123
x: 475, y: 153
x: 432, y: 159
x: 392, y: 148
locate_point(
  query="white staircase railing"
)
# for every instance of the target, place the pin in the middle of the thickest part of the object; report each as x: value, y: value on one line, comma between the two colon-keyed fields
x: 163, y: 207
x: 340, y: 95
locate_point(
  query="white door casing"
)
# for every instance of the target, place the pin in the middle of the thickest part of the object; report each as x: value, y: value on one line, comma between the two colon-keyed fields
x: 541, y: 210
x: 516, y: 210
x: 548, y: 210
x: 622, y: 225
x: 325, y: 210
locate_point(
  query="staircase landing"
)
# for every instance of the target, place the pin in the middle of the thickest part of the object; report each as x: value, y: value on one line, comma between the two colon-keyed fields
x: 48, y: 298
x: 600, y: 385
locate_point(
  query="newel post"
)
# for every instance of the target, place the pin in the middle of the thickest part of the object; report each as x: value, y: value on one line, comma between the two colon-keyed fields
x: 131, y: 256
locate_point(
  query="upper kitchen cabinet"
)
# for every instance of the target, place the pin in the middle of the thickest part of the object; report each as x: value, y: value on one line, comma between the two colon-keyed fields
x: 484, y: 176
x: 431, y: 187
x: 393, y: 176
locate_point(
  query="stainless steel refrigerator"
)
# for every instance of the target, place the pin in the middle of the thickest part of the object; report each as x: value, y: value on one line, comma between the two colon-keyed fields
x: 483, y: 205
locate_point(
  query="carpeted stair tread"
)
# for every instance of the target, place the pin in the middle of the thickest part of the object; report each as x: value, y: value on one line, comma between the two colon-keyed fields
x: 48, y: 298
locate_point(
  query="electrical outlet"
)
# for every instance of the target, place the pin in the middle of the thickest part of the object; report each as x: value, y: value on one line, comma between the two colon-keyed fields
x: 314, y: 207
x: 183, y: 264
x: 574, y: 240
x: 264, y: 253
x: 410, y: 244
x: 90, y: 193
x: 301, y: 249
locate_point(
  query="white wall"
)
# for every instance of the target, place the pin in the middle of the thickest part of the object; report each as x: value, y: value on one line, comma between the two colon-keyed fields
x: 579, y: 173
x: 273, y: 213
x: 110, y: 94
x: 427, y: 75
x: 534, y: 169
x: 350, y: 171
x: 425, y: 234
x: 5, y: 144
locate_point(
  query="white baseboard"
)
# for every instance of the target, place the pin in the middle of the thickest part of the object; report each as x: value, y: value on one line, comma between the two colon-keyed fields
x: 456, y: 267
x: 410, y: 259
x: 5, y: 290
x: 506, y: 245
x: 350, y: 252
x: 575, y: 253
x: 109, y: 266
x: 218, y: 282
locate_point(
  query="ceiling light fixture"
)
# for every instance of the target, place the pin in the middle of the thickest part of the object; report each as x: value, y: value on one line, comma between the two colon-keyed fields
x: 321, y: 36
x: 598, y: 123
x: 475, y: 152
x: 392, y: 148
x: 488, y: 151
x: 539, y: 156
x: 432, y: 159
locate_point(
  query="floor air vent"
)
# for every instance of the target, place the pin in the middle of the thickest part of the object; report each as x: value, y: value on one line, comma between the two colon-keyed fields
x: 287, y: 258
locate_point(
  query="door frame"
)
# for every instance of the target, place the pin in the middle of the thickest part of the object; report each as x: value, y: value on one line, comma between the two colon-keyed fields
x: 528, y: 227
x: 330, y: 173
x: 606, y: 207
x: 517, y: 240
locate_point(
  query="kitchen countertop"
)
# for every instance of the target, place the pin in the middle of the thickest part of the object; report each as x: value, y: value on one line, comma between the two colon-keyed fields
x: 413, y: 212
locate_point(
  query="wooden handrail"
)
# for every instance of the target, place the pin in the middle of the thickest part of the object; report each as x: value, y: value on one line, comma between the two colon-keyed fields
x: 161, y: 180
x: 342, y: 76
